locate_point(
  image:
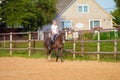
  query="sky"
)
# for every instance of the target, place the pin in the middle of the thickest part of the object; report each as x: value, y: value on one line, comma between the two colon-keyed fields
x: 108, y: 5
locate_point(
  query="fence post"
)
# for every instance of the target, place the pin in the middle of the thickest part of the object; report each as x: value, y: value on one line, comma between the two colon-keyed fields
x: 38, y: 34
x: 115, y: 49
x: 82, y: 47
x: 33, y: 50
x: 10, y: 43
x: 74, y: 51
x: 29, y: 43
x: 4, y: 41
x: 98, y: 46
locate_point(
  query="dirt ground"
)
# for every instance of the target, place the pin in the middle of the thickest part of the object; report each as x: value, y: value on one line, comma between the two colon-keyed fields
x: 17, y: 68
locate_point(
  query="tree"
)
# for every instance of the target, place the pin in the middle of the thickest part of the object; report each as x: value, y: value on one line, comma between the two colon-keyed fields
x: 47, y: 9
x: 116, y: 12
x: 117, y: 3
x: 116, y: 15
x: 30, y: 14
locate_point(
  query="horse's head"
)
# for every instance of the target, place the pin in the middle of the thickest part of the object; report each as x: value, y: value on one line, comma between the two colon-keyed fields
x: 61, y: 35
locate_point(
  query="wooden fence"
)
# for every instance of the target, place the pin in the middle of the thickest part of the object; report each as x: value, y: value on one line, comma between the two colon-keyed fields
x: 12, y: 41
x: 29, y: 41
x: 98, y: 52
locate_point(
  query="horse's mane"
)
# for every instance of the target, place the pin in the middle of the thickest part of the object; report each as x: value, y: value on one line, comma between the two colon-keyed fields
x: 60, y: 36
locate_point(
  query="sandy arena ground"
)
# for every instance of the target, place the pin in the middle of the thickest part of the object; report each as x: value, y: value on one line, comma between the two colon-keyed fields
x: 16, y: 68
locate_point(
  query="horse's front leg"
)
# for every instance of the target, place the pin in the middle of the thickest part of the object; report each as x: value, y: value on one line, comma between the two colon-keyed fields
x: 61, y: 56
x: 49, y: 55
x: 57, y: 56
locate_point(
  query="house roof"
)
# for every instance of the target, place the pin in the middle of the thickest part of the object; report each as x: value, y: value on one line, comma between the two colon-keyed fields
x: 62, y: 4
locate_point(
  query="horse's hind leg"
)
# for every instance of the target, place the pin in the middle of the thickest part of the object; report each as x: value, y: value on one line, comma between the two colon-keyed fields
x: 49, y: 55
x: 57, y: 56
x: 61, y: 56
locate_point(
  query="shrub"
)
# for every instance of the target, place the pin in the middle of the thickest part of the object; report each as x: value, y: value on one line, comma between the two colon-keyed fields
x: 87, y: 36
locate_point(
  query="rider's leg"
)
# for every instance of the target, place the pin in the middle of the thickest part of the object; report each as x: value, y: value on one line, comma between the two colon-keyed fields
x: 51, y: 41
x: 52, y: 38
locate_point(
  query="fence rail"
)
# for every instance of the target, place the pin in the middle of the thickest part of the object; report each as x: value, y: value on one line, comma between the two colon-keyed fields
x: 30, y: 40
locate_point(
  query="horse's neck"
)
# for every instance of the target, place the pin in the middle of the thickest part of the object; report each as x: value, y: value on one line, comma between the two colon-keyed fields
x: 60, y: 37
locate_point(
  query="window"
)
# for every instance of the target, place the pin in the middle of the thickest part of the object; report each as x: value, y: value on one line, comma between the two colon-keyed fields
x: 83, y: 8
x: 67, y: 24
x: 80, y: 9
x: 94, y: 23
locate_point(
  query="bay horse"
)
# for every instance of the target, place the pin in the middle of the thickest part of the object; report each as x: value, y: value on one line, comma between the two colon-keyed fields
x: 58, y: 45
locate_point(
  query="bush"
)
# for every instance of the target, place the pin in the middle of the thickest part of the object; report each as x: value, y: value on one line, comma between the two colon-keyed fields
x: 106, y: 36
x: 87, y: 36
